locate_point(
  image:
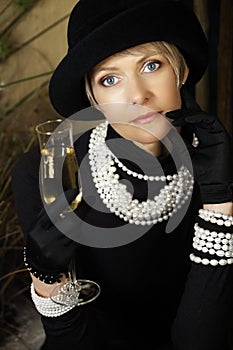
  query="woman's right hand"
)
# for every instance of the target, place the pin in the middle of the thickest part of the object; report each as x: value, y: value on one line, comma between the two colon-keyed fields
x: 212, y: 157
x: 48, y: 250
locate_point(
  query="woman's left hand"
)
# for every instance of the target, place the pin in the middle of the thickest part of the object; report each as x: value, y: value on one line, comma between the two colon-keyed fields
x: 212, y: 158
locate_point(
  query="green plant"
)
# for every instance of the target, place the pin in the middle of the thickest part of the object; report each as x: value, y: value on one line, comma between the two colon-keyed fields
x: 13, y: 275
x: 25, y: 5
x: 5, y: 48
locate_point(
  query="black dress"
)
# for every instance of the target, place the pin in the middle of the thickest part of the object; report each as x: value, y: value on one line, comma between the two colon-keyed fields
x: 151, y: 293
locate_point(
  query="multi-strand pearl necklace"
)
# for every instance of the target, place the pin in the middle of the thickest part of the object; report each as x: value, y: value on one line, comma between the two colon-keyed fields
x: 115, y: 195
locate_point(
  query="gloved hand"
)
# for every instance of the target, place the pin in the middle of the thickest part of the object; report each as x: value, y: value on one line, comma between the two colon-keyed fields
x: 212, y: 159
x: 49, y: 251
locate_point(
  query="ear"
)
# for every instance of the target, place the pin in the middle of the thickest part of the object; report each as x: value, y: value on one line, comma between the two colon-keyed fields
x: 186, y: 73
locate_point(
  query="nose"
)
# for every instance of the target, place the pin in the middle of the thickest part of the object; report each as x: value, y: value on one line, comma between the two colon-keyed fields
x: 139, y: 92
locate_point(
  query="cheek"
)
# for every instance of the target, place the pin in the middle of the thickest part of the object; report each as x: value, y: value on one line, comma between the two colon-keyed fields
x: 174, y: 99
x: 97, y: 95
x: 168, y: 93
x: 111, y: 95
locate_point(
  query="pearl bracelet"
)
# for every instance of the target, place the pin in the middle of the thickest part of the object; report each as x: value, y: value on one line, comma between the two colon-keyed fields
x: 213, y: 242
x: 212, y: 262
x: 47, y: 307
x: 216, y: 217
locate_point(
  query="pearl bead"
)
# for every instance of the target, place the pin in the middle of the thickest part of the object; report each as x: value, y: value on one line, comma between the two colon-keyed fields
x: 205, y: 261
x: 214, y: 262
x: 222, y: 262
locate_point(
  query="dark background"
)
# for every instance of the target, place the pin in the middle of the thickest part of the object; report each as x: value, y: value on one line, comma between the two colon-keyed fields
x: 215, y: 91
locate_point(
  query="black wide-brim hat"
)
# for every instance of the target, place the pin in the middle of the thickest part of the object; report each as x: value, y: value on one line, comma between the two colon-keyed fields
x: 98, y: 29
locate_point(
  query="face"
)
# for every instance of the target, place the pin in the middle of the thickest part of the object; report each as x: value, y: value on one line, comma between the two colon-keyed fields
x: 144, y: 86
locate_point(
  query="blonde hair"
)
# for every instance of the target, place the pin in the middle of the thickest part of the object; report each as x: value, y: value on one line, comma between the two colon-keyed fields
x: 169, y: 51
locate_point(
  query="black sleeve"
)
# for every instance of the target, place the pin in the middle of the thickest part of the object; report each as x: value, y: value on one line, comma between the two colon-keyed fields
x: 204, y: 320
x: 25, y: 187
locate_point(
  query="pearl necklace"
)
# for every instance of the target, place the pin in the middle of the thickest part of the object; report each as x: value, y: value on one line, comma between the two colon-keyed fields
x: 115, y: 195
x: 140, y: 176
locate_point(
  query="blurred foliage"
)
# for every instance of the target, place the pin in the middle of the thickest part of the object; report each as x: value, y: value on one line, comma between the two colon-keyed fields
x: 5, y: 48
x: 11, y: 14
x: 13, y: 275
x: 25, y: 5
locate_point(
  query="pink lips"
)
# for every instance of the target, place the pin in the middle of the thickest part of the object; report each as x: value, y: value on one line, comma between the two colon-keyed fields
x: 146, y: 118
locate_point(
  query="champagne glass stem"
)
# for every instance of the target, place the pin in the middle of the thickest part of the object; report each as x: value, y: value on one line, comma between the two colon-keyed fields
x: 72, y: 271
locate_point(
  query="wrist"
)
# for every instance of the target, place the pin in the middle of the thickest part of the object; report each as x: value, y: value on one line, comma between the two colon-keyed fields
x: 46, y: 307
x: 213, y: 238
x: 43, y: 289
x: 224, y: 208
x: 47, y: 276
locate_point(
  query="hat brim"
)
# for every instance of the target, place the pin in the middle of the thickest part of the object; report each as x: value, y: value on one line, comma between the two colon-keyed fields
x: 171, y: 22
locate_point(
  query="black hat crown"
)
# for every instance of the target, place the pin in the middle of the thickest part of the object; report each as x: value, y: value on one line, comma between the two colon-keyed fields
x: 86, y: 16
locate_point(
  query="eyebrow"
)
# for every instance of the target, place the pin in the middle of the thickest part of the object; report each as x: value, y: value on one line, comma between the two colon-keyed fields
x: 98, y: 70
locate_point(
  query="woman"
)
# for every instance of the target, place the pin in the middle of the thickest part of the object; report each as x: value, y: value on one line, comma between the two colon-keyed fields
x: 136, y: 61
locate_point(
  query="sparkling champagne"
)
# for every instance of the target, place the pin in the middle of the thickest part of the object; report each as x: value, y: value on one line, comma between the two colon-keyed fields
x: 58, y: 167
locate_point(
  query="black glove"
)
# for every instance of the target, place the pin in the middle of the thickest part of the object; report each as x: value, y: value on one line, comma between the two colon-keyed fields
x: 49, y: 251
x: 212, y: 159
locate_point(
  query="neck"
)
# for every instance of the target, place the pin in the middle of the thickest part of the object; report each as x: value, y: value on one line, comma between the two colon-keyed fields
x: 156, y: 149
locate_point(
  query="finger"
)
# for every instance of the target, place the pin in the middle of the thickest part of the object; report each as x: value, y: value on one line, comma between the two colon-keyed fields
x: 194, y: 119
x: 188, y: 100
x: 179, y: 122
x: 204, y: 120
x: 177, y: 116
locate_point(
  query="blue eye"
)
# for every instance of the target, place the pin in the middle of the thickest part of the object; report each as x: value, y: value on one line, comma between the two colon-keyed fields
x: 109, y: 81
x: 151, y: 66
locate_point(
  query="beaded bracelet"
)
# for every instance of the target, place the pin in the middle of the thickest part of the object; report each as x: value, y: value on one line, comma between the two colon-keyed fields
x: 215, y: 247
x: 216, y: 218
x: 213, y: 262
x: 213, y: 242
x: 46, y: 277
x: 47, y: 307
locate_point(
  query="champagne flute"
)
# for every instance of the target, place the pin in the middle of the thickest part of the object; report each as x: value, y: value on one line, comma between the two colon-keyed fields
x: 56, y: 146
